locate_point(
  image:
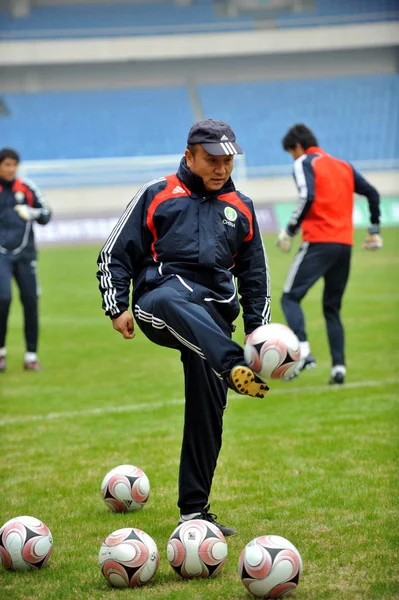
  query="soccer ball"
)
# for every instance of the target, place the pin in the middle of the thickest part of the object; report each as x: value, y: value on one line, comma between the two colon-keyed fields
x: 125, y: 488
x: 128, y: 558
x: 197, y: 548
x: 272, y: 351
x: 270, y: 566
x: 25, y: 544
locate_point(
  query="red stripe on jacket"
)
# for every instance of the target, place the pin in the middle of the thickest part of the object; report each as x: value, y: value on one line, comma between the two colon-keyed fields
x: 20, y: 186
x: 166, y: 194
x: 235, y: 200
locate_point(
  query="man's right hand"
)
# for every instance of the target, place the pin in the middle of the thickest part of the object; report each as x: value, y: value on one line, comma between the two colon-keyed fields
x: 27, y: 213
x: 125, y: 325
x: 372, y: 242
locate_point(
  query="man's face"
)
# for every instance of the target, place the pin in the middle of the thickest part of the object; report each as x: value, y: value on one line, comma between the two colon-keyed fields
x: 8, y: 169
x: 214, y: 170
x: 297, y: 151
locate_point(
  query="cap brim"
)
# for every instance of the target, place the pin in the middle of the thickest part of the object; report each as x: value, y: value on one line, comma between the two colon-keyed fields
x: 222, y: 148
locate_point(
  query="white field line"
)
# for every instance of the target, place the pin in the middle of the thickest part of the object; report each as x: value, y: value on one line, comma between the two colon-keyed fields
x: 103, y: 410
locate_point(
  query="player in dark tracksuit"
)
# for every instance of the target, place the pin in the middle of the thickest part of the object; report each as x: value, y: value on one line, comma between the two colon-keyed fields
x: 20, y: 205
x: 325, y: 215
x: 184, y: 240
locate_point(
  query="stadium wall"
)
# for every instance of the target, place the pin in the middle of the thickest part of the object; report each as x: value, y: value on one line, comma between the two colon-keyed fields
x: 203, y: 45
x: 41, y: 78
x: 111, y: 200
x: 271, y: 218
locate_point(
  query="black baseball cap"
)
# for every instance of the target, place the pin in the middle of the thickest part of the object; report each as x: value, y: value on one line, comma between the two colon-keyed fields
x: 216, y: 137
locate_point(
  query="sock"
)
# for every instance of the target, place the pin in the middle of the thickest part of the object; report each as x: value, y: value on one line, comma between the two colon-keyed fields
x: 189, y: 516
x: 3, y: 351
x: 338, y: 369
x: 305, y: 349
x: 30, y: 356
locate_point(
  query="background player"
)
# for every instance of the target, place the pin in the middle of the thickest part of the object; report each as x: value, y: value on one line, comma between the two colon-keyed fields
x: 21, y: 204
x: 324, y: 213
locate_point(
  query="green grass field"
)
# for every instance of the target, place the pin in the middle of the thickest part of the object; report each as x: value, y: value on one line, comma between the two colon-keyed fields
x: 313, y: 464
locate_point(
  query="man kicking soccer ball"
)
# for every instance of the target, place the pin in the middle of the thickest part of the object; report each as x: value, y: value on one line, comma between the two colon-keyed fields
x: 184, y: 239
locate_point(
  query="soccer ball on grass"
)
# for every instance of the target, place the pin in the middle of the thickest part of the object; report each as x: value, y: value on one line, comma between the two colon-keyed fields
x: 270, y: 567
x: 26, y: 544
x: 197, y: 548
x: 128, y: 558
x: 125, y: 488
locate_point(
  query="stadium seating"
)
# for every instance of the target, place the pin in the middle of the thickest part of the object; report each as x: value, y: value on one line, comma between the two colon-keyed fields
x: 85, y: 20
x: 338, y: 12
x: 356, y: 118
x: 99, y: 123
x: 88, y: 20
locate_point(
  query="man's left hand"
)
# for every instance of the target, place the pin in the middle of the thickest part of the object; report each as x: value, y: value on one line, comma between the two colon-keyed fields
x: 284, y: 241
x: 27, y: 213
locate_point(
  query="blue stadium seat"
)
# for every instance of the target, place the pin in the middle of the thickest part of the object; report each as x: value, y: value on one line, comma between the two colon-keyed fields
x: 87, y: 20
x: 355, y: 118
x: 91, y: 124
x: 107, y: 20
x: 337, y: 12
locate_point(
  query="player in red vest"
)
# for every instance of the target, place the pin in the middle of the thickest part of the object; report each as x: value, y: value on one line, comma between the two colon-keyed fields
x: 21, y: 204
x: 324, y: 214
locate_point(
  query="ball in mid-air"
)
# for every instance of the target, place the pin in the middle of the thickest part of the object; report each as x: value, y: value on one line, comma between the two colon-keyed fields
x: 272, y: 351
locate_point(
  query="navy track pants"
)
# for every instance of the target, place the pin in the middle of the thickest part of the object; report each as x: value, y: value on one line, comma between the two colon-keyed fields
x: 23, y: 269
x: 313, y: 261
x: 174, y: 315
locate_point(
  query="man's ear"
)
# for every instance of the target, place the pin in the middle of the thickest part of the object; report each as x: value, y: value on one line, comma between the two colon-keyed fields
x: 189, y: 157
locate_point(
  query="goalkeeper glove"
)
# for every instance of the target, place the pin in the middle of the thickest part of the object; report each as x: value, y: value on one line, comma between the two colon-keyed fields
x: 27, y: 213
x: 284, y: 241
x: 373, y: 240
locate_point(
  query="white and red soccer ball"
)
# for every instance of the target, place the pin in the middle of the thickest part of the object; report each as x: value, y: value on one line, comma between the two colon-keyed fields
x: 272, y: 351
x: 125, y: 488
x: 197, y: 548
x: 26, y: 544
x: 270, y: 567
x: 128, y: 557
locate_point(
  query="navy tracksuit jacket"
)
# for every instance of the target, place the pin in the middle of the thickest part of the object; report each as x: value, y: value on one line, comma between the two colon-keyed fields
x: 18, y: 254
x: 184, y: 248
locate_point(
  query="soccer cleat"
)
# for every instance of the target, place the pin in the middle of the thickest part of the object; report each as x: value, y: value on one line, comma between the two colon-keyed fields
x: 309, y: 362
x: 3, y: 364
x: 337, y: 379
x: 244, y: 381
x: 205, y: 515
x: 32, y: 365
